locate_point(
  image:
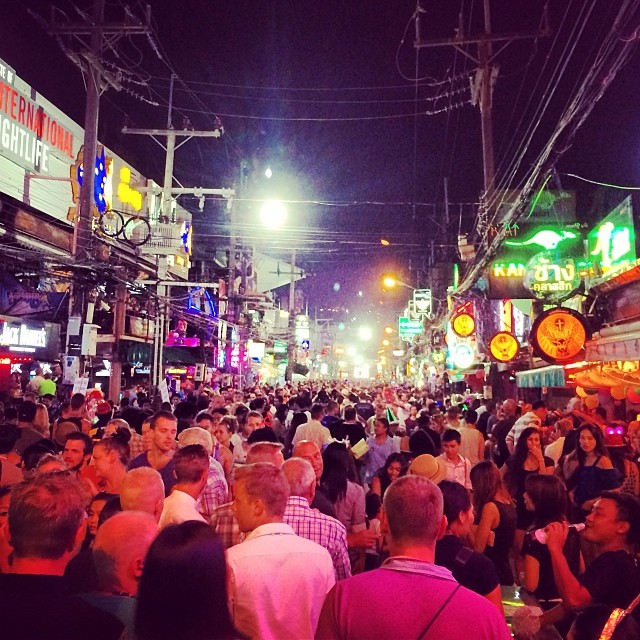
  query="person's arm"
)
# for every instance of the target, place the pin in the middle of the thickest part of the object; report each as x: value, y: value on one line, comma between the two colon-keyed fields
x: 376, y: 486
x: 495, y: 598
x: 480, y: 447
x: 531, y: 573
x: 574, y: 595
x: 552, y: 616
x: 489, y: 520
x: 510, y: 439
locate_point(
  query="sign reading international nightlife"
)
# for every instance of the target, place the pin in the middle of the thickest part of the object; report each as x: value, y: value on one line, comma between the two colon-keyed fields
x: 39, y: 142
x: 504, y: 346
x: 612, y: 243
x: 559, y: 336
x: 553, y: 278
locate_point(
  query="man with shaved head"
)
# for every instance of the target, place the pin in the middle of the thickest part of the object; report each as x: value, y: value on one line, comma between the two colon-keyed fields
x: 438, y: 608
x: 119, y: 550
x: 142, y: 489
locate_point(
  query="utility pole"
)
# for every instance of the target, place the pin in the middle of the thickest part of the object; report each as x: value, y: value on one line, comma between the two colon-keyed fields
x: 291, y: 342
x: 101, y: 35
x: 168, y: 215
x: 483, y: 86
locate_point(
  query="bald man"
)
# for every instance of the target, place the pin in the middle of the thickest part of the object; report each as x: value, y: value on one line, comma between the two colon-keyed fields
x: 310, y: 451
x: 142, y: 489
x: 119, y: 550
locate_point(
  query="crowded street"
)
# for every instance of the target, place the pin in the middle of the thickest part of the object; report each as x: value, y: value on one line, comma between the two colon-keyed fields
x: 319, y: 320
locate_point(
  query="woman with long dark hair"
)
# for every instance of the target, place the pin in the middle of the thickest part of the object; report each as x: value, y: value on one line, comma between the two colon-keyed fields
x: 495, y: 518
x: 393, y: 468
x: 546, y: 498
x: 183, y: 591
x: 527, y: 459
x: 588, y: 470
x: 339, y: 484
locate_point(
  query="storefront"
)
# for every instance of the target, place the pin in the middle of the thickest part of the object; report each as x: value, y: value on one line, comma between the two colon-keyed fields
x: 25, y: 344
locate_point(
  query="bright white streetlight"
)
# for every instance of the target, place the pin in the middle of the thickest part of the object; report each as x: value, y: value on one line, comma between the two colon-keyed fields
x: 365, y: 333
x: 268, y: 173
x: 273, y: 214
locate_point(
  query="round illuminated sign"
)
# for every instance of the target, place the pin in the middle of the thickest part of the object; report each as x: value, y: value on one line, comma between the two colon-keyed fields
x: 462, y: 356
x: 551, y: 277
x: 463, y: 325
x: 504, y: 347
x: 559, y: 335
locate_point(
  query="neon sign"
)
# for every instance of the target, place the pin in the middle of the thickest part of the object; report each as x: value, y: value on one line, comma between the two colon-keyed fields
x: 22, y: 336
x: 551, y: 279
x: 612, y: 242
x: 126, y: 193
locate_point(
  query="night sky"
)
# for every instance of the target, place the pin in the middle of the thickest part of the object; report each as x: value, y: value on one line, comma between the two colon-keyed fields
x: 319, y: 73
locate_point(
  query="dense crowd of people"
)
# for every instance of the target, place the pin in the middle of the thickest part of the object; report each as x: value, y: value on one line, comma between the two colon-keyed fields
x: 314, y: 511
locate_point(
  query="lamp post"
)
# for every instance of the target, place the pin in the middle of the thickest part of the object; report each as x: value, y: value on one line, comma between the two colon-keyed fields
x: 273, y: 214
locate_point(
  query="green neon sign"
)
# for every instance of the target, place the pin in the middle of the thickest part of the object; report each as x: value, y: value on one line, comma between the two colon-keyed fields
x: 612, y: 243
x: 546, y: 239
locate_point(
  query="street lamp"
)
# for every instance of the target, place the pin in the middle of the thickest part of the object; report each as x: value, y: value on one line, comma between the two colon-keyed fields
x: 365, y: 333
x: 273, y: 214
x: 390, y: 282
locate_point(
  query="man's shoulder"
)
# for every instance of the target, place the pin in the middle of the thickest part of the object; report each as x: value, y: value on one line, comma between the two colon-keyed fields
x: 140, y: 460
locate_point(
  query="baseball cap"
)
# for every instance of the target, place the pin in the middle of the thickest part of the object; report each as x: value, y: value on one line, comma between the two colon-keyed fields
x: 428, y: 467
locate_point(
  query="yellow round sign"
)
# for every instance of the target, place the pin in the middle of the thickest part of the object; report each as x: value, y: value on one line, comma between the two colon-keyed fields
x: 559, y: 335
x: 504, y: 347
x: 463, y: 325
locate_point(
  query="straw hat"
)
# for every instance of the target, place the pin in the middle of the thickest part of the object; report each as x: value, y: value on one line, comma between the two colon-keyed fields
x: 429, y: 467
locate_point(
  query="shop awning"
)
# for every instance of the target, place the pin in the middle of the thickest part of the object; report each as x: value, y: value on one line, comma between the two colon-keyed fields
x: 551, y: 376
x: 625, y: 346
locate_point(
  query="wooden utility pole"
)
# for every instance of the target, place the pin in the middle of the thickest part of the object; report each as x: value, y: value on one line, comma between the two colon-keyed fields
x: 485, y: 79
x: 100, y: 35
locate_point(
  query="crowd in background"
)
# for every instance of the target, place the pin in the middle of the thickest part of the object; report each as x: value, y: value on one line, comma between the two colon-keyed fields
x: 282, y: 512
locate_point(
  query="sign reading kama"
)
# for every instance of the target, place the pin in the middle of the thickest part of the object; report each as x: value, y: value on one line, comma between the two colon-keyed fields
x: 28, y: 132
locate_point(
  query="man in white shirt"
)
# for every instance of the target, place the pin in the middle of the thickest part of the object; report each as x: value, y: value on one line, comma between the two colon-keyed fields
x: 313, y: 430
x: 277, y: 580
x: 192, y: 472
x: 472, y: 445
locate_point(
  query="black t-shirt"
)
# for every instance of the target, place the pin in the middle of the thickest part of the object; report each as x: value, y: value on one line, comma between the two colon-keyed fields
x: 476, y: 573
x: 500, y: 432
x: 352, y: 430
x: 612, y: 579
x: 547, y: 589
x: 322, y: 503
x: 365, y: 410
x: 34, y: 607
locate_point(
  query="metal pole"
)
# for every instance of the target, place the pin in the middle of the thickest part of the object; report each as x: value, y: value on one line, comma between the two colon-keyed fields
x: 291, y: 345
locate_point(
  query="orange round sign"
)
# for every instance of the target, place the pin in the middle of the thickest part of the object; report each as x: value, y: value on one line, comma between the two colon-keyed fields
x: 463, y: 325
x: 559, y: 335
x: 504, y: 347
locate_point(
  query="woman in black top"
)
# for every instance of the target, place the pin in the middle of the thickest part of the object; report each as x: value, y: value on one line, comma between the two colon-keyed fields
x: 546, y: 499
x: 495, y: 519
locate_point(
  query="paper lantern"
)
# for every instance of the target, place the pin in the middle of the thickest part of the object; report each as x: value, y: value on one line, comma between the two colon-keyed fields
x: 618, y: 393
x: 591, y: 402
x: 633, y: 396
x: 581, y: 392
